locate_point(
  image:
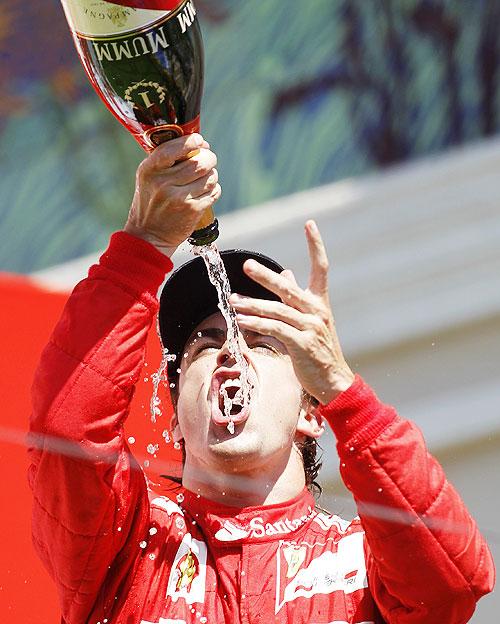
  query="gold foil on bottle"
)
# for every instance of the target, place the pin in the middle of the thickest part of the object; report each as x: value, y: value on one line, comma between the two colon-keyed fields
x: 96, y: 18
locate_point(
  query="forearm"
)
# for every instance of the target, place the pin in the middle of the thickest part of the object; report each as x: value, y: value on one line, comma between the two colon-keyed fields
x: 426, y: 558
x: 96, y: 351
x: 88, y: 492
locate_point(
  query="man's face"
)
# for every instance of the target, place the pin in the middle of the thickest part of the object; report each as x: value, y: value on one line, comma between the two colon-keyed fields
x: 268, y: 429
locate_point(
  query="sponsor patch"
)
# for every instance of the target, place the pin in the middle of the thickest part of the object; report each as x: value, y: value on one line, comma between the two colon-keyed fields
x: 229, y: 532
x: 189, y: 571
x: 258, y: 528
x: 327, y: 522
x: 301, y: 574
x: 295, y: 557
x: 167, y: 505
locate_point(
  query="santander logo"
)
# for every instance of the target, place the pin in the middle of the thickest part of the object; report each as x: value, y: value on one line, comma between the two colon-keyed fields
x: 258, y: 528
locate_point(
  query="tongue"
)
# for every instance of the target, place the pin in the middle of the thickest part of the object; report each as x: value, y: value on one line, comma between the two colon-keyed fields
x: 227, y: 395
x: 236, y: 409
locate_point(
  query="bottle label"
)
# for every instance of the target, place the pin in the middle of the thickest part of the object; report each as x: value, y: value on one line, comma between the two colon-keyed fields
x: 134, y: 63
x: 97, y: 18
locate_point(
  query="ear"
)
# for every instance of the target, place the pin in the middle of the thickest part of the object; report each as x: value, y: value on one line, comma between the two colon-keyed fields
x: 176, y: 430
x: 310, y: 423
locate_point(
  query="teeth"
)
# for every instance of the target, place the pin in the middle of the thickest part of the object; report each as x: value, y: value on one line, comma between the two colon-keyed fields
x: 230, y: 383
x: 238, y: 398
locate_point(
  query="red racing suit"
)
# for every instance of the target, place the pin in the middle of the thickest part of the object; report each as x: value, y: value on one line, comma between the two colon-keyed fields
x: 117, y: 557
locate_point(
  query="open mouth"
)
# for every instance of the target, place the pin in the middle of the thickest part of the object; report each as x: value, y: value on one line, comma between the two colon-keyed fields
x: 231, y: 397
x: 229, y: 406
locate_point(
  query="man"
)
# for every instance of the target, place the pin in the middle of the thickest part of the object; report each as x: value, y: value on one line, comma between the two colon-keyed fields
x: 243, y: 541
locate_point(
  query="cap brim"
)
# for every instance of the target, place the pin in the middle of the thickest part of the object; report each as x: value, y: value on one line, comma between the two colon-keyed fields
x: 188, y: 297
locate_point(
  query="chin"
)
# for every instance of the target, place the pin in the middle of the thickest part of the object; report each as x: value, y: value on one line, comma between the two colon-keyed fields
x: 234, y: 448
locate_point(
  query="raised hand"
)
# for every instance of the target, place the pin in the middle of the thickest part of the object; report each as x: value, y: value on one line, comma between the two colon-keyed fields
x: 302, y: 321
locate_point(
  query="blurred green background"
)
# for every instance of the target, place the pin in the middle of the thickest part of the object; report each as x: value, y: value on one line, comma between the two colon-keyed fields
x: 298, y: 94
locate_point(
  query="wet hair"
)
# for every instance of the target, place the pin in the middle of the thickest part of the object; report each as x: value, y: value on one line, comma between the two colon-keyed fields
x: 312, y: 464
x: 310, y: 451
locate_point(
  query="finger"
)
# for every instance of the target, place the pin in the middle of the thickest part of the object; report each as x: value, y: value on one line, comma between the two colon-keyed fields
x: 181, y: 202
x: 206, y: 200
x: 318, y: 280
x: 288, y: 273
x: 287, y: 334
x: 287, y: 291
x: 200, y: 187
x: 195, y: 167
x: 170, y: 152
x: 271, y: 310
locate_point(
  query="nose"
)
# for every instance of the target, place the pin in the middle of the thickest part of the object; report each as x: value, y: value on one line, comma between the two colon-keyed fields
x: 225, y: 358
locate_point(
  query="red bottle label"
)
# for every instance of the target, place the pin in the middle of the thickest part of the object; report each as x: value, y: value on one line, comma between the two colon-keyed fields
x: 156, y: 5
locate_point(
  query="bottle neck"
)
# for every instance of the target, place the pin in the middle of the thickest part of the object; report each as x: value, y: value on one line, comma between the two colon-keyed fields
x: 206, y: 235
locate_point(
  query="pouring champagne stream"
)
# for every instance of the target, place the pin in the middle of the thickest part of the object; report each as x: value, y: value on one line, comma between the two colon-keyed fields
x: 147, y: 65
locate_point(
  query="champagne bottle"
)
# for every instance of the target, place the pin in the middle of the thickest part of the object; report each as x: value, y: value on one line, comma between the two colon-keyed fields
x: 145, y: 59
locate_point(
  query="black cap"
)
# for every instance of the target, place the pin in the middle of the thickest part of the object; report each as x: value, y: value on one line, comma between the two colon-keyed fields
x: 188, y: 297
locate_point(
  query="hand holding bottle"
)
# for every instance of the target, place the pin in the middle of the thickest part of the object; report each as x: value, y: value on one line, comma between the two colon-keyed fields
x: 174, y: 187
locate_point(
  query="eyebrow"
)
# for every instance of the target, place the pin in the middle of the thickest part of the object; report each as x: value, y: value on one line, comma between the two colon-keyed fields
x: 209, y: 332
x: 220, y: 334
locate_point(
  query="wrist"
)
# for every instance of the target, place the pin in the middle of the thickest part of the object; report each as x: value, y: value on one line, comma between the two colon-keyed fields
x: 357, y: 417
x: 133, y: 263
x: 340, y: 381
x: 160, y: 245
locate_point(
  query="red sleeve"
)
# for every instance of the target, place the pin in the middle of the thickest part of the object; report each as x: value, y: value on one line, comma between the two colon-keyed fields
x: 90, y: 496
x: 426, y: 559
